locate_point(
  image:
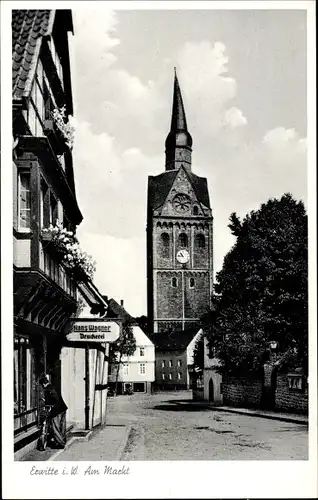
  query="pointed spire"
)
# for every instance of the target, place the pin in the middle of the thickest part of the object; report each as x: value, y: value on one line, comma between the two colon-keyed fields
x: 178, y: 119
x: 179, y: 141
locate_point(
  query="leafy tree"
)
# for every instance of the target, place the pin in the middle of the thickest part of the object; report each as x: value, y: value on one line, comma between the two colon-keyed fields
x: 261, y: 291
x: 124, y: 346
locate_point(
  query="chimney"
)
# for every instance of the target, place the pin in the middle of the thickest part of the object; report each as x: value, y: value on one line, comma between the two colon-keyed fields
x: 121, y: 302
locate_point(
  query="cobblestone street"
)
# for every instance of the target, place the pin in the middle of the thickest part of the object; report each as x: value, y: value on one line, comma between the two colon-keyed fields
x: 167, y: 426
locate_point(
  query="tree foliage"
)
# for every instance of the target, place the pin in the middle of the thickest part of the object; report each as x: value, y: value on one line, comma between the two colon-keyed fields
x: 261, y: 291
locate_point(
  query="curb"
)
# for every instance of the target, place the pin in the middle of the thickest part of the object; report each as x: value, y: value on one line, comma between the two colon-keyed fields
x: 58, y: 453
x: 301, y: 421
x: 123, y: 444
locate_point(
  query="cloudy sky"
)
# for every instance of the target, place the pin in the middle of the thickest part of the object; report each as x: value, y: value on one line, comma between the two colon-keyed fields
x: 243, y: 80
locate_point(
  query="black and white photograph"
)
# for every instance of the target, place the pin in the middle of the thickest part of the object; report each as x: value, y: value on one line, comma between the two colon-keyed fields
x: 159, y: 242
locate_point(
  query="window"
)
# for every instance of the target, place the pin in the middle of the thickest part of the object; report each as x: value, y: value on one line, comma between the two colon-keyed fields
x: 163, y: 376
x: 163, y: 364
x: 142, y: 368
x: 170, y: 376
x: 195, y: 210
x: 24, y: 201
x: 165, y: 241
x: 179, y: 363
x: 183, y: 240
x: 24, y: 376
x: 191, y: 283
x: 56, y: 60
x: 170, y: 363
x: 35, y: 110
x: 142, y: 351
x: 179, y: 375
x: 43, y: 191
x: 125, y: 369
x: 200, y: 241
x: 174, y: 282
x: 53, y: 210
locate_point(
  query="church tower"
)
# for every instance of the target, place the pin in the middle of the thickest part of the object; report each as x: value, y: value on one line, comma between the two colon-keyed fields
x: 179, y: 235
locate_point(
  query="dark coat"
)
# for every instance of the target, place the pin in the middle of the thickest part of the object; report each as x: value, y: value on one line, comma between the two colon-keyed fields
x: 53, y: 398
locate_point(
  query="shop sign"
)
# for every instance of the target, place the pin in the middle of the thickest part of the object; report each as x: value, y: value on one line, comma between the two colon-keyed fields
x: 87, y: 330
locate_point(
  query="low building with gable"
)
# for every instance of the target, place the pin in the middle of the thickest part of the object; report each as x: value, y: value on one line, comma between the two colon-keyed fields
x: 136, y: 372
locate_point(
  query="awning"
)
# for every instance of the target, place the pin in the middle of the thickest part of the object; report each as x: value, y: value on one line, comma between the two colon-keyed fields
x: 93, y: 297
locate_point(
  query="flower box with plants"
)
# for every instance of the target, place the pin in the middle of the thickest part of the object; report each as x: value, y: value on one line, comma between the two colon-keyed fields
x: 67, y: 248
x: 60, y: 130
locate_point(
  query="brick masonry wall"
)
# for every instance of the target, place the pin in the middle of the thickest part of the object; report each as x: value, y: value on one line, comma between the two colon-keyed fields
x: 289, y: 399
x: 246, y: 393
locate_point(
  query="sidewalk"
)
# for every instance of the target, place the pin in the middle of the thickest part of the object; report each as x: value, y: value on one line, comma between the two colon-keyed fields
x: 106, y: 443
x: 273, y: 415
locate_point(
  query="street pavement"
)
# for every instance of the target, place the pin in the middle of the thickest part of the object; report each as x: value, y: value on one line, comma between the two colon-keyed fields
x: 168, y: 426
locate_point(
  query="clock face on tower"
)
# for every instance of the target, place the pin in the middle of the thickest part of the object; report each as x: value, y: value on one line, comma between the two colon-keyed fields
x: 181, y: 202
x: 183, y: 256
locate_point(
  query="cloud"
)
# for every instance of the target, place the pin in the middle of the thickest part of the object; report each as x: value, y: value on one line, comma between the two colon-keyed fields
x: 121, y: 268
x: 206, y: 84
x: 234, y: 118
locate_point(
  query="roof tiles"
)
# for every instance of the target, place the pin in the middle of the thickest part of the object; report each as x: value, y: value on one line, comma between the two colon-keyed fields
x: 28, y: 27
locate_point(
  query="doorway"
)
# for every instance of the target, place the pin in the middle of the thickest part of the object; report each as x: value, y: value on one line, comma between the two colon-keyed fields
x: 211, y: 390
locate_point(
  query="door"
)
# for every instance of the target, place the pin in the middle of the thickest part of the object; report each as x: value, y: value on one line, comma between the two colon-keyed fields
x: 211, y: 390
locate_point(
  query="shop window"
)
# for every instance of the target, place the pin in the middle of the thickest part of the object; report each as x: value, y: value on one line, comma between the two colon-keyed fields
x: 24, y: 201
x: 200, y: 241
x: 183, y: 240
x: 174, y: 282
x: 25, y: 396
x: 141, y: 351
x: 191, y: 283
x: 142, y: 368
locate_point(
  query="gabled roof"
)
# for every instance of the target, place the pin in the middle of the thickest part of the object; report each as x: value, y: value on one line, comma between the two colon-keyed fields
x: 175, y: 340
x: 116, y: 311
x: 160, y: 185
x: 28, y: 28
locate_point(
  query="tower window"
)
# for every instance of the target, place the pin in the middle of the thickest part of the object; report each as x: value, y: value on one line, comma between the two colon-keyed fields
x: 174, y: 282
x: 200, y: 241
x: 195, y: 210
x: 183, y: 240
x: 191, y: 283
x: 165, y: 241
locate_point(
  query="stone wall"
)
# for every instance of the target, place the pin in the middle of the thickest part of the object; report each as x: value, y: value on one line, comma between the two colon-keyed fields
x: 244, y: 393
x: 248, y: 394
x: 292, y: 400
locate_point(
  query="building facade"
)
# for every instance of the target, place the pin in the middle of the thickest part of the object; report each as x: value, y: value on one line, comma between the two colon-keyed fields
x: 45, y: 288
x: 136, y: 372
x: 174, y: 360
x: 179, y: 235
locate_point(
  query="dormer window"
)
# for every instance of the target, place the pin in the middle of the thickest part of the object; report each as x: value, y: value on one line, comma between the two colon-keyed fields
x: 195, y: 210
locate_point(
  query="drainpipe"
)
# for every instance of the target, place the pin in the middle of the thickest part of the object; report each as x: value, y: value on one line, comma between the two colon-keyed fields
x: 86, y: 387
